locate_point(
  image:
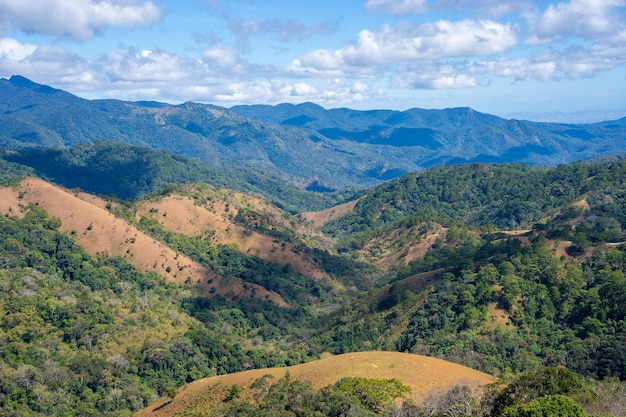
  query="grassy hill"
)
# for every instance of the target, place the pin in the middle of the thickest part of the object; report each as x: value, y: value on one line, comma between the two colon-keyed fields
x: 101, y: 232
x: 422, y: 374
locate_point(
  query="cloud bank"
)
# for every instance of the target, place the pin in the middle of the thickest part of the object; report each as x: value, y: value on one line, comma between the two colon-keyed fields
x: 512, y: 40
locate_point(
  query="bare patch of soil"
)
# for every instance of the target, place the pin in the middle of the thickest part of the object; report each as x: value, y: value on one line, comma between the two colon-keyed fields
x: 497, y: 316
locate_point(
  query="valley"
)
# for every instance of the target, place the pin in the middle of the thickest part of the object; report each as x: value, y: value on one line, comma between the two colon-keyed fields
x: 166, y: 276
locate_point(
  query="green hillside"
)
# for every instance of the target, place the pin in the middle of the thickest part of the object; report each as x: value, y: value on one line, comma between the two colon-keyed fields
x: 94, y: 336
x: 91, y: 335
x: 131, y: 172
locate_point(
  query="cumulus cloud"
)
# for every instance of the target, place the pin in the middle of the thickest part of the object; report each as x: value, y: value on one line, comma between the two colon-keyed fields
x: 436, y: 55
x: 78, y: 19
x: 222, y: 56
x: 409, y: 42
x: 432, y: 76
x: 51, y: 62
x: 590, y: 19
x: 517, y: 69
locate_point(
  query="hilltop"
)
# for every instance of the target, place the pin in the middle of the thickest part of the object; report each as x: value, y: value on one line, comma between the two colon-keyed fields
x: 424, y: 375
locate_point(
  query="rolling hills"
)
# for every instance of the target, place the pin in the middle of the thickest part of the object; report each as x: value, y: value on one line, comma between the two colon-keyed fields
x: 101, y: 232
x: 381, y: 273
x: 129, y: 270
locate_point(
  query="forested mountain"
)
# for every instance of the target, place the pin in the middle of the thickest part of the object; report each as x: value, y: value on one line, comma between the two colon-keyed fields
x: 456, y: 135
x: 306, y: 144
x: 510, y: 196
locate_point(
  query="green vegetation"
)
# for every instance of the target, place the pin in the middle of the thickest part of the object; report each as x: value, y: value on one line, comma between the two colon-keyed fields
x: 494, y: 196
x: 559, y: 312
x: 349, y: 396
x: 313, y: 147
x: 131, y: 172
x: 543, y: 392
x: 81, y: 336
x: 88, y: 335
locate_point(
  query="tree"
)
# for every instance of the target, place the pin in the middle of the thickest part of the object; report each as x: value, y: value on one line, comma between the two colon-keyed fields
x: 548, y: 406
x: 458, y: 401
x: 533, y: 385
x: 374, y: 394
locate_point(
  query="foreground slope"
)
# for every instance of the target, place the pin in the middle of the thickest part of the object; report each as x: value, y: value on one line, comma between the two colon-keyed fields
x: 421, y: 373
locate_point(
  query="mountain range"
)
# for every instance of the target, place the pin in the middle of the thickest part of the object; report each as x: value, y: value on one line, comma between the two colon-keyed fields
x: 306, y: 144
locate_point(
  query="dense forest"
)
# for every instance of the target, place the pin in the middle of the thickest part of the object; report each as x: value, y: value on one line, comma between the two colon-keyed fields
x: 85, y: 335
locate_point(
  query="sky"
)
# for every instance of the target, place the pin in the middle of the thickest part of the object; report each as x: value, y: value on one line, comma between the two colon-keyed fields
x: 497, y: 56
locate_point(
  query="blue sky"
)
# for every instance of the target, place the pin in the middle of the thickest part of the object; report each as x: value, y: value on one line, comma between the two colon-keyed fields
x: 497, y: 56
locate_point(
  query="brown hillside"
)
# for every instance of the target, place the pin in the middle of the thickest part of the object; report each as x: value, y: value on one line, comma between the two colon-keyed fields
x: 180, y: 214
x: 422, y: 373
x: 320, y: 218
x: 402, y: 246
x: 100, y: 232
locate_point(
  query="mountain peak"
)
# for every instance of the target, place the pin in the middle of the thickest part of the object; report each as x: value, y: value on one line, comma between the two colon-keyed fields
x: 19, y: 81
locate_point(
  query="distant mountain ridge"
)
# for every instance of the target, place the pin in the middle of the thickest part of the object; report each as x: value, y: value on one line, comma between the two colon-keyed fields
x: 305, y: 143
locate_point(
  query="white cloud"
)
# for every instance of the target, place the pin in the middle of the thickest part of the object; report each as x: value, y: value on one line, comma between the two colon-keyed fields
x: 432, y: 76
x: 52, y: 63
x: 221, y: 56
x: 12, y: 51
x: 143, y: 67
x: 517, y: 69
x: 455, y: 81
x: 585, y: 62
x: 590, y: 19
x: 409, y: 42
x: 303, y: 89
x: 78, y: 19
x: 359, y: 87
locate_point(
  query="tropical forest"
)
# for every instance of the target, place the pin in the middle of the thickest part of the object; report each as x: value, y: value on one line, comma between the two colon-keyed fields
x: 157, y: 277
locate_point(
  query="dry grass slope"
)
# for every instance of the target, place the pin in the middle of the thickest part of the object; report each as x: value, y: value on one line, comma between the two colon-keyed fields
x: 422, y: 373
x: 100, y: 232
x: 320, y: 218
x: 179, y: 214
